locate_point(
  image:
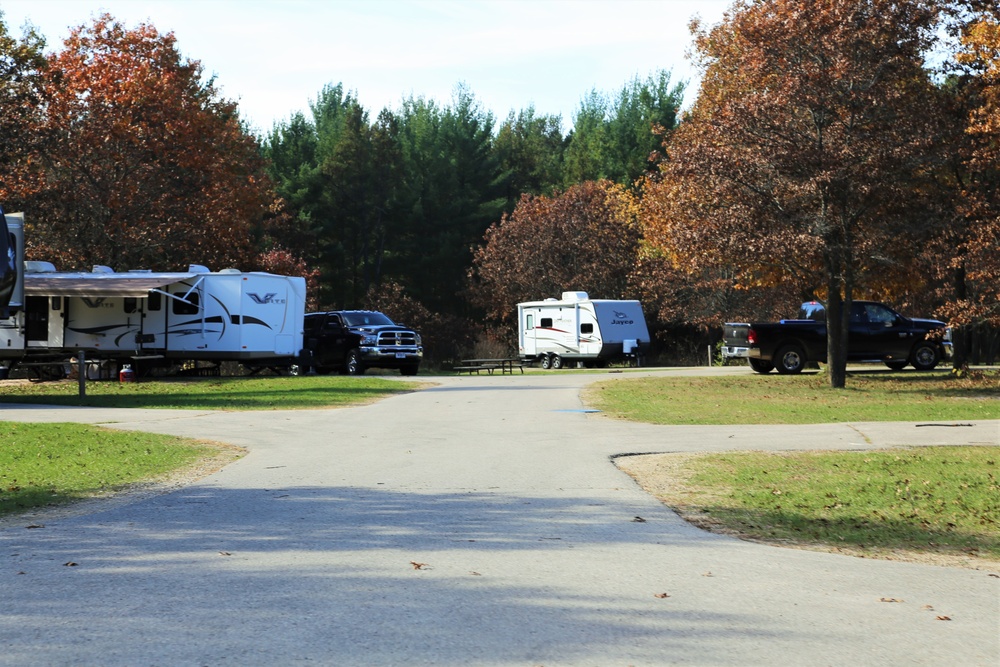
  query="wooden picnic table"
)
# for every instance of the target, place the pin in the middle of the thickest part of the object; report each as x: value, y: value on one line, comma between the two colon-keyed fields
x: 505, y: 366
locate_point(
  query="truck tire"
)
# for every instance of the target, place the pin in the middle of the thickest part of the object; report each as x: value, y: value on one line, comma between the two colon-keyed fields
x: 409, y: 370
x: 557, y: 362
x: 546, y: 362
x: 925, y: 356
x: 790, y: 359
x: 761, y: 366
x: 353, y: 364
x: 897, y: 364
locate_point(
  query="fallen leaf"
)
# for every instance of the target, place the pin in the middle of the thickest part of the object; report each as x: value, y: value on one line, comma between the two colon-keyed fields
x: 418, y: 566
x: 661, y: 595
x: 225, y: 553
x: 707, y: 574
x: 474, y: 573
x: 928, y: 607
x: 35, y: 525
x: 890, y: 600
x: 994, y: 575
x: 944, y: 618
x: 638, y: 519
x: 69, y: 564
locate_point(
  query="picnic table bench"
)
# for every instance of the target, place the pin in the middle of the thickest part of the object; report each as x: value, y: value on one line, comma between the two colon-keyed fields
x: 505, y: 366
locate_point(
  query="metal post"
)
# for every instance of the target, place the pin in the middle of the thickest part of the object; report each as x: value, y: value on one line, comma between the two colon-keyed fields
x: 709, y: 356
x: 81, y: 373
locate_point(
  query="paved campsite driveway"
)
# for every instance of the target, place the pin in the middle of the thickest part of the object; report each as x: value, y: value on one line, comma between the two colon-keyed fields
x: 476, y: 523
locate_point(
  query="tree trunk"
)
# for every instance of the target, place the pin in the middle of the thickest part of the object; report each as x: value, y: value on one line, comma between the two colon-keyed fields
x: 836, y: 338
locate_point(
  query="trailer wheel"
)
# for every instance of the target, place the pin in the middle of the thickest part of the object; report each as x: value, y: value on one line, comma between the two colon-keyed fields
x: 557, y: 362
x: 761, y: 366
x: 897, y: 364
x: 790, y: 360
x: 546, y: 362
x: 353, y: 363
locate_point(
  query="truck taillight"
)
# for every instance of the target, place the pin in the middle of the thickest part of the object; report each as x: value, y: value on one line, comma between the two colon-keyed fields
x: 751, y: 337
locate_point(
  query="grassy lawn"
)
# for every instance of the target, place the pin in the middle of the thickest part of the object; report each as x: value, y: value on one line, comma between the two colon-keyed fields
x: 797, y: 399
x: 940, y: 504
x: 232, y: 393
x: 47, y: 464
x: 50, y: 464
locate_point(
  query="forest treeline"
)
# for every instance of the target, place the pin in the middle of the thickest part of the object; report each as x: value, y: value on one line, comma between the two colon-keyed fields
x: 822, y: 157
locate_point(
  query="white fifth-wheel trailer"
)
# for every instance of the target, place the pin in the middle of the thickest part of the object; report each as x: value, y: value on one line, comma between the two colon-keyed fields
x: 157, y: 318
x: 581, y: 330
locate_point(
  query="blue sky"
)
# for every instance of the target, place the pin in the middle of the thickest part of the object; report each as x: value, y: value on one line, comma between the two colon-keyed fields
x: 273, y: 57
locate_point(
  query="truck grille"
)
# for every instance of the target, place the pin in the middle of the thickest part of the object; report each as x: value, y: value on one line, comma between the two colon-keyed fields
x: 392, y: 338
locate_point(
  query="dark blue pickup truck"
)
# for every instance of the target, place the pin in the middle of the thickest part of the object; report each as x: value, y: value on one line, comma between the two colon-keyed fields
x: 877, y: 334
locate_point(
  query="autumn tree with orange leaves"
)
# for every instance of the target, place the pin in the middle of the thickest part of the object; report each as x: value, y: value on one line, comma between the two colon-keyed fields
x: 144, y: 165
x: 801, y: 158
x: 966, y: 256
x: 585, y: 239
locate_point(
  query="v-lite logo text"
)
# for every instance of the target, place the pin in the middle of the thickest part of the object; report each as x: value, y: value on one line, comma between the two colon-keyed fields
x: 98, y: 302
x: 620, y: 319
x: 270, y: 297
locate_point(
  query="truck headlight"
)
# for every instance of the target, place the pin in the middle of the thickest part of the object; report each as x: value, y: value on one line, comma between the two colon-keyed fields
x: 369, y: 339
x: 417, y: 340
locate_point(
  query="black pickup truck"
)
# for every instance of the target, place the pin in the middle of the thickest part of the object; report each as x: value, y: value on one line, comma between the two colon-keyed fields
x: 877, y: 333
x: 353, y: 341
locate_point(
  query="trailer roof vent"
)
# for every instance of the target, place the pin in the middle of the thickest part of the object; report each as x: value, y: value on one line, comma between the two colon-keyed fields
x: 100, y: 268
x: 140, y: 270
x: 38, y: 267
x: 198, y: 268
x: 230, y: 271
x: 574, y: 296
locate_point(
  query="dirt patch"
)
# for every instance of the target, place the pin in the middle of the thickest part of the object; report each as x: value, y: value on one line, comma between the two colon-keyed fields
x: 666, y: 477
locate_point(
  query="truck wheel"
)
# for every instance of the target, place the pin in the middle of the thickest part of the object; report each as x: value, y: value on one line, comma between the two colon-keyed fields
x: 790, y: 360
x: 410, y: 370
x: 761, y: 366
x: 925, y: 356
x: 557, y: 362
x: 353, y: 363
x: 896, y: 364
x: 546, y: 362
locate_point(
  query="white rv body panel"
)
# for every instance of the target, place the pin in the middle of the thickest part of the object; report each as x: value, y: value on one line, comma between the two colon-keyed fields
x: 227, y: 315
x: 579, y: 328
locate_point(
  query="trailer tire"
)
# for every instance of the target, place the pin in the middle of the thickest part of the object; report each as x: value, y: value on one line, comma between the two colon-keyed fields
x: 790, y: 359
x: 557, y: 362
x: 761, y: 366
x: 353, y: 364
x: 897, y: 364
x: 546, y: 362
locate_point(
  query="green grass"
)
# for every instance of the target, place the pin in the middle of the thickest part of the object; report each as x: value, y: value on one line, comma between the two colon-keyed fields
x: 800, y: 399
x: 928, y: 500
x: 48, y: 464
x: 236, y: 393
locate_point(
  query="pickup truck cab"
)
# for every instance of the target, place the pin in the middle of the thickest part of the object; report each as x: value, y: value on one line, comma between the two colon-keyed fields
x: 352, y: 341
x: 877, y: 333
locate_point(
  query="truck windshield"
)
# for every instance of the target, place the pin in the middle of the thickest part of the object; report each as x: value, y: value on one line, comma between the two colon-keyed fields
x: 366, y: 319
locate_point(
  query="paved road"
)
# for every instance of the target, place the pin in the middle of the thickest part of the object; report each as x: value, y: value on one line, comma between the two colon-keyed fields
x: 501, y: 491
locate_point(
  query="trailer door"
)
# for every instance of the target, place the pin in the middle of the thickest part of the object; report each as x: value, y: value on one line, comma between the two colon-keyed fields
x: 528, y: 346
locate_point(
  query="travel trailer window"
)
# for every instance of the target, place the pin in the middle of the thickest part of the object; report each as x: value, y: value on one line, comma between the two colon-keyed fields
x: 587, y: 328
x: 545, y: 323
x: 154, y: 302
x: 530, y: 324
x: 131, y: 304
x: 184, y: 308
